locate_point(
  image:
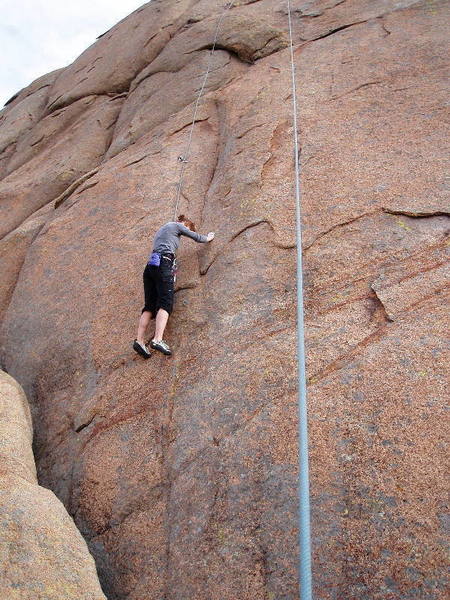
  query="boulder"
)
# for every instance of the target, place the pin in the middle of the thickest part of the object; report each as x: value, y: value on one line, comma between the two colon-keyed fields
x: 43, y: 553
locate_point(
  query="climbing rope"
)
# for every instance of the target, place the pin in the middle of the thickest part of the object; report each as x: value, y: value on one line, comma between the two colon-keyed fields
x: 184, y: 159
x: 303, y: 483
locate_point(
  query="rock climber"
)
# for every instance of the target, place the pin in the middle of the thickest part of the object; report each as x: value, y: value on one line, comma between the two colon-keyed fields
x: 159, y: 282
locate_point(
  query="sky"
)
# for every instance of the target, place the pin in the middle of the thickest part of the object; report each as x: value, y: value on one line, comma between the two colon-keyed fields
x: 39, y: 36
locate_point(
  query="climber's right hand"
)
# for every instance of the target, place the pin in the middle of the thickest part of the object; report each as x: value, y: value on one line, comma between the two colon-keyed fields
x: 210, y: 236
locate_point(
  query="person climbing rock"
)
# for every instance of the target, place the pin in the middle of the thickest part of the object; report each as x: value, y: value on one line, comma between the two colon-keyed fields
x: 159, y: 282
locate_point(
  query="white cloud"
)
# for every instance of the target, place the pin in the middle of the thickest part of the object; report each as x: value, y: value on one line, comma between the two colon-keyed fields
x: 39, y: 36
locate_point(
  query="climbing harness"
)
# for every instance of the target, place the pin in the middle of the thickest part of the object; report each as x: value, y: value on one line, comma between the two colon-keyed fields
x: 184, y: 158
x: 303, y: 483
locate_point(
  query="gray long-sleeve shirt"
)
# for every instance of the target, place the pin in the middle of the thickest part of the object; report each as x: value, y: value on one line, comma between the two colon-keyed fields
x: 167, y: 238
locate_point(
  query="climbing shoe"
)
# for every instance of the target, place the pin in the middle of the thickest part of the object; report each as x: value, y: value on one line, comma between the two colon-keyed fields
x: 141, y: 349
x: 161, y: 346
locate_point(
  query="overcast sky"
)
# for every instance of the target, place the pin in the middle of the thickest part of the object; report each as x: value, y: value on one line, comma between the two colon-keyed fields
x: 38, y: 36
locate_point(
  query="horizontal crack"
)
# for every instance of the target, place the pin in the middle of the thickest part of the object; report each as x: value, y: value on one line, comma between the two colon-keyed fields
x: 136, y: 161
x: 363, y: 85
x: 37, y: 141
x: 324, y: 233
x: 113, y: 95
x: 240, y: 136
x: 247, y: 227
x: 84, y: 425
x: 220, y: 47
x: 187, y: 125
x: 418, y: 214
x: 341, y: 28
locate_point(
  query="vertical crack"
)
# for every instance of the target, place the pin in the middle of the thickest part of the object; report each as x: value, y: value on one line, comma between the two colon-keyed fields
x: 220, y: 111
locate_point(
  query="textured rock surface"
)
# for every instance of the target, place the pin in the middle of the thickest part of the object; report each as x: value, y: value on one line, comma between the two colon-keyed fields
x: 181, y: 473
x: 43, y: 556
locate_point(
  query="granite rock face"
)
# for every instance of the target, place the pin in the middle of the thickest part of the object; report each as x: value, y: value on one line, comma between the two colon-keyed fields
x: 181, y: 473
x: 43, y: 554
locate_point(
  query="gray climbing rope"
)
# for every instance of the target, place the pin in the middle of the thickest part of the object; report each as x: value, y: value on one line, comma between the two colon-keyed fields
x: 305, y: 579
x: 184, y: 159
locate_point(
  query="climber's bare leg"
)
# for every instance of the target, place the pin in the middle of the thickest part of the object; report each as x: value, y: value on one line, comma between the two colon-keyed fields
x: 162, y: 317
x: 142, y: 327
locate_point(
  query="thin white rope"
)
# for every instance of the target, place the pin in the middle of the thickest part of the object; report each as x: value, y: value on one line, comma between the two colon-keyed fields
x: 184, y: 159
x: 305, y: 579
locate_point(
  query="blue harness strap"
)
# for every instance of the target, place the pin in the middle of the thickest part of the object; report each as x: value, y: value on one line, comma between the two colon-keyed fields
x: 154, y: 260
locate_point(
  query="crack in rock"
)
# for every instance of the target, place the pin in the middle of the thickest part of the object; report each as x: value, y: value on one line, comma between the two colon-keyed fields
x: 62, y: 197
x: 417, y: 213
x: 338, y: 225
x: 355, y: 89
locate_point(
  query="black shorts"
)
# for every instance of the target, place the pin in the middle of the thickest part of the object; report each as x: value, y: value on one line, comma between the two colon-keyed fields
x: 159, y: 286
